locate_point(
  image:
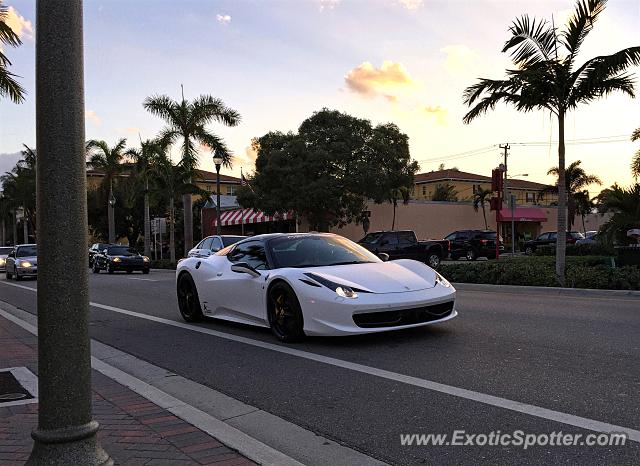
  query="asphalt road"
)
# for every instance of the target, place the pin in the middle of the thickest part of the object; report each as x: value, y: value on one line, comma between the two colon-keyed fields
x: 576, y: 355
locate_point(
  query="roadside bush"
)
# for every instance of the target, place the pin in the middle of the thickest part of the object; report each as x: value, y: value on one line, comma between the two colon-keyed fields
x: 582, y: 272
x: 596, y: 249
x: 163, y: 264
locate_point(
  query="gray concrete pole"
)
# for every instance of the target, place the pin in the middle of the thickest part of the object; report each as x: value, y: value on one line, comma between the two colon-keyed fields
x: 218, y: 226
x: 25, y: 227
x: 14, y: 230
x: 66, y: 433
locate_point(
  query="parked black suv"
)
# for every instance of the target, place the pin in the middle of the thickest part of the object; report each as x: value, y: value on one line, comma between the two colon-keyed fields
x: 550, y: 237
x: 405, y: 245
x: 96, y: 248
x: 473, y: 244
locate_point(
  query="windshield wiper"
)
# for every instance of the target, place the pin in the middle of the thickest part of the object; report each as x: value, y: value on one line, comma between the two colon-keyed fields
x: 348, y: 263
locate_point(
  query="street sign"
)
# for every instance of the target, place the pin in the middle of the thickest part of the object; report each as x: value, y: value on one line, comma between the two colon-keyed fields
x: 159, y: 226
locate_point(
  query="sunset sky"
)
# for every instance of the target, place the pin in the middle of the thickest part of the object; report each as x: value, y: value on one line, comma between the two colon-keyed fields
x: 400, y: 61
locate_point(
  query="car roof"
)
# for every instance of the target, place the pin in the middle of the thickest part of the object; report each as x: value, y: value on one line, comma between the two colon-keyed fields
x: 26, y: 244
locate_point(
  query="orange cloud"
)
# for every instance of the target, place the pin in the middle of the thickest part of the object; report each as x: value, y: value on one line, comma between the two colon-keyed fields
x: 22, y: 27
x: 93, y: 117
x: 411, y: 4
x: 437, y: 112
x: 390, y: 80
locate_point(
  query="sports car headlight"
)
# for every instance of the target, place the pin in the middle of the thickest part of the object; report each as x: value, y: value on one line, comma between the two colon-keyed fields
x: 440, y: 280
x: 145, y: 258
x: 341, y: 290
x: 116, y: 259
x: 2, y: 261
x: 26, y: 264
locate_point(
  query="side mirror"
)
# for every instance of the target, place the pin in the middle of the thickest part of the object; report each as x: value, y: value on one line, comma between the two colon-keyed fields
x: 384, y: 256
x: 243, y: 267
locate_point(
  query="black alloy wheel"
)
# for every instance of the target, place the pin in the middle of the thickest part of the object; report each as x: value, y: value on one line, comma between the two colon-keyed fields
x: 188, y: 301
x: 285, y: 313
x: 471, y: 254
x: 433, y: 260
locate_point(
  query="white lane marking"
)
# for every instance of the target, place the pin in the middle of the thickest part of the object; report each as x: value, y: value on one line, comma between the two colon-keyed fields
x: 227, y: 434
x: 524, y: 408
x: 143, y: 279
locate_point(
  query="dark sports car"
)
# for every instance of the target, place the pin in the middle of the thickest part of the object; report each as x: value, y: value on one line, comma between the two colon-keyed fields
x: 120, y: 258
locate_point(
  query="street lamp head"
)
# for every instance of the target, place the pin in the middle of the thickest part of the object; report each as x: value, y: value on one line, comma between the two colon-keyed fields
x: 217, y: 160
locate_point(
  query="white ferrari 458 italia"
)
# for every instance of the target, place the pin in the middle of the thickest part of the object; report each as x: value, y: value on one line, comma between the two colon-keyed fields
x: 312, y: 284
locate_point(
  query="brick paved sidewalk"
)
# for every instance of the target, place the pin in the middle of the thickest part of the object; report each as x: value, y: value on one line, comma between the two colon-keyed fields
x: 133, y: 430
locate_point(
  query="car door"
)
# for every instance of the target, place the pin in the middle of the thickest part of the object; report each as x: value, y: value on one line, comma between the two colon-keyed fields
x: 453, y: 246
x: 408, y: 247
x: 553, y: 237
x: 10, y: 264
x: 243, y: 294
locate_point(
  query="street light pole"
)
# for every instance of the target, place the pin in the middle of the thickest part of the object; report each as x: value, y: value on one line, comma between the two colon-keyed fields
x: 217, y: 160
x: 66, y: 433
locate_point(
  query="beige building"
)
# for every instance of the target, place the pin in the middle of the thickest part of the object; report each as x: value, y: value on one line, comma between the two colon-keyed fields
x: 467, y: 184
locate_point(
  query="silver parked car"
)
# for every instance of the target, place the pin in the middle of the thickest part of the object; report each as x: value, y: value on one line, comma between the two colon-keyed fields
x: 590, y: 237
x: 212, y: 244
x: 22, y: 262
x: 4, y: 252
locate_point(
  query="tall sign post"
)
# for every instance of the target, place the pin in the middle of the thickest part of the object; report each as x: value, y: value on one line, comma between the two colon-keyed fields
x: 496, y: 202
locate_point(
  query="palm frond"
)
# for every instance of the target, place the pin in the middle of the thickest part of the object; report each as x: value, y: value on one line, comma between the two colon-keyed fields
x: 603, y: 67
x: 532, y: 42
x: 94, y: 145
x: 590, y: 92
x: 581, y: 24
x: 162, y: 106
x: 215, y: 144
x: 635, y: 165
x: 207, y: 108
x: 7, y: 35
x: 9, y: 87
x: 635, y: 136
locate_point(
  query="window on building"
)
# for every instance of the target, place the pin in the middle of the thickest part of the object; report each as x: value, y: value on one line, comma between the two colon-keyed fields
x: 424, y: 190
x: 530, y: 197
x: 231, y: 190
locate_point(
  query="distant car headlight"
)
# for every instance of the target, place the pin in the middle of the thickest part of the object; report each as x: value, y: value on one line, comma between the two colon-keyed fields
x: 116, y: 259
x: 26, y: 264
x: 440, y: 280
x: 145, y: 258
x: 2, y: 261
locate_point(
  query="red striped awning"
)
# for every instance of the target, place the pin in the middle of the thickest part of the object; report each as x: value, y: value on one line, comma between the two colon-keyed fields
x: 239, y: 216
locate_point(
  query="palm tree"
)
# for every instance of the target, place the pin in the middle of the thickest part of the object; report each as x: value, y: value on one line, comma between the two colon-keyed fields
x: 575, y: 180
x: 8, y: 85
x: 635, y: 162
x: 187, y: 121
x: 584, y: 205
x: 20, y: 190
x: 545, y: 79
x: 445, y: 192
x: 480, y: 198
x: 403, y: 193
x: 143, y: 160
x: 624, y: 205
x: 170, y: 181
x: 109, y: 160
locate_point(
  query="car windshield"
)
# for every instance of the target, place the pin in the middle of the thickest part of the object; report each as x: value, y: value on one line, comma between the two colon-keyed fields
x: 488, y: 235
x: 5, y: 251
x: 122, y: 251
x: 318, y: 251
x: 229, y: 240
x: 370, y: 238
x: 27, y: 251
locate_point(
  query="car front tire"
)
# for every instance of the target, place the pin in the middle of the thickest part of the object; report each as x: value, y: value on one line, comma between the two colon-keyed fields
x: 433, y: 260
x: 471, y: 255
x: 188, y: 300
x: 285, y: 314
x: 528, y: 250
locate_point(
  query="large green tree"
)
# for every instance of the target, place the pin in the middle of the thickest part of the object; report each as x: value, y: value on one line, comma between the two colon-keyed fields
x: 547, y: 77
x: 186, y: 122
x: 9, y: 87
x: 329, y: 169
x: 576, y: 179
x: 108, y: 160
x: 624, y: 206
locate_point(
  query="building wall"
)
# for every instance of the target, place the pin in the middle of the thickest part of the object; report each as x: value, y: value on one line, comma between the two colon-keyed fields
x: 466, y: 190
x: 437, y: 219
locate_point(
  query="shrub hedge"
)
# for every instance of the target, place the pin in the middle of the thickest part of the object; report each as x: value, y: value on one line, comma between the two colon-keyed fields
x: 163, y: 264
x: 596, y: 249
x: 582, y: 272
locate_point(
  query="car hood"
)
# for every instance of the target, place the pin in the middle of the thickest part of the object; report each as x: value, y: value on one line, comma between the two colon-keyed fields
x: 380, y: 277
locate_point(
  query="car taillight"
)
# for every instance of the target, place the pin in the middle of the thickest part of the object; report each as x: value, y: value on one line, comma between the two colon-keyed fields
x: 484, y: 241
x: 449, y: 245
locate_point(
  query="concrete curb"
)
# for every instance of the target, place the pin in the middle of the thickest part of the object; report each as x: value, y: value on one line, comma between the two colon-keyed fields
x: 545, y: 290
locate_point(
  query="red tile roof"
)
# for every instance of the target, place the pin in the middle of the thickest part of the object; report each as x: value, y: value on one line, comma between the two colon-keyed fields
x: 457, y: 175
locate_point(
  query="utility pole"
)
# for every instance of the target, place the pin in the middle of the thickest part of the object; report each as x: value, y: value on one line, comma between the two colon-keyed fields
x: 66, y: 432
x: 506, y: 148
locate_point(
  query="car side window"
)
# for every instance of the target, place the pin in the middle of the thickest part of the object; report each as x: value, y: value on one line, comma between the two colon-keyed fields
x: 251, y: 252
x: 553, y: 236
x: 451, y: 237
x: 390, y: 239
x: 543, y: 236
x: 405, y: 239
x: 206, y: 243
x: 216, y: 244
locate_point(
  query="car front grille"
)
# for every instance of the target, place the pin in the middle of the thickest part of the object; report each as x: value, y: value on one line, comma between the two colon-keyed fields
x: 402, y: 317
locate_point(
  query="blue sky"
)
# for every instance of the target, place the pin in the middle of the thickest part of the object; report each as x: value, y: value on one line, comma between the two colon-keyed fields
x: 405, y: 61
